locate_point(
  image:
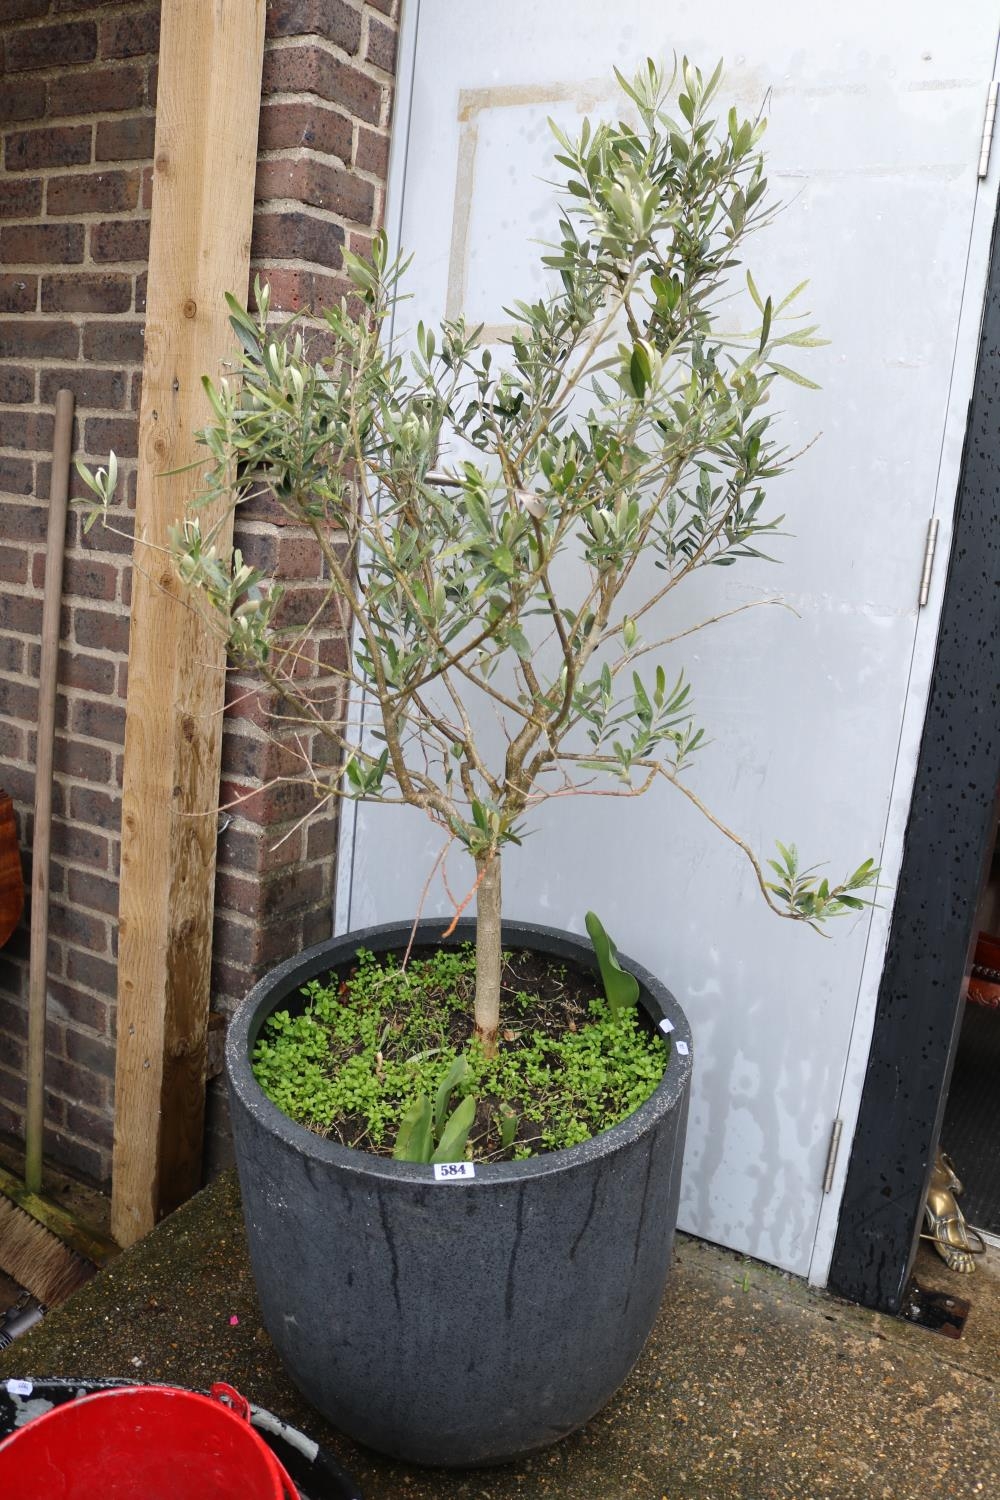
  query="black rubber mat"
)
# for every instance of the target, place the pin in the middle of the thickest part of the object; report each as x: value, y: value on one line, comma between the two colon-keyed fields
x: 971, y: 1133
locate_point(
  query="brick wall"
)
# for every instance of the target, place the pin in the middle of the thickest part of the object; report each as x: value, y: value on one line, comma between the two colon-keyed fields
x: 77, y: 114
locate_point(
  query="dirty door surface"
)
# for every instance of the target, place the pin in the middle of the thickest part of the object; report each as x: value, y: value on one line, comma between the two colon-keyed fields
x: 876, y: 115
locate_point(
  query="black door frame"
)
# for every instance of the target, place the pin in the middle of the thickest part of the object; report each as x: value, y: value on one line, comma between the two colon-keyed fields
x: 948, y: 835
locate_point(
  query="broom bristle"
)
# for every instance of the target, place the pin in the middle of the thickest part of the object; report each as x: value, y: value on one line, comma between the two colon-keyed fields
x: 36, y: 1259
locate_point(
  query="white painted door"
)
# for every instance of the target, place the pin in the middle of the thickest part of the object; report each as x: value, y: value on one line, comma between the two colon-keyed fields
x: 876, y: 114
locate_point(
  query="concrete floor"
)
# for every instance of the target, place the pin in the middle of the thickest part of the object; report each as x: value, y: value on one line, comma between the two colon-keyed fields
x: 752, y: 1387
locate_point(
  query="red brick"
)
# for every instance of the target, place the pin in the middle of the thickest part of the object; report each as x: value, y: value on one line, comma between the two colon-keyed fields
x: 12, y: 1086
x: 80, y: 845
x: 21, y: 10
x: 331, y: 19
x: 297, y: 558
x: 257, y: 853
x: 18, y: 294
x: 53, y: 146
x: 293, y: 291
x: 130, y: 35
x: 13, y: 569
x: 101, y: 630
x: 311, y: 70
x: 16, y: 476
x: 322, y: 837
x: 242, y: 754
x: 105, y: 433
x: 91, y: 674
x: 93, y: 1129
x: 38, y: 340
x: 102, y: 291
x: 235, y: 893
x: 299, y: 887
x: 18, y: 700
x: 317, y: 925
x: 21, y: 523
x: 16, y: 385
x: 78, y: 1084
x: 51, y: 46
x: 297, y: 236
x: 97, y: 582
x: 94, y: 90
x: 83, y: 1160
x: 113, y: 343
x: 120, y: 240
x: 27, y: 430
x: 285, y: 126
x: 83, y: 578
x: 317, y: 183
x: 94, y: 892
x: 381, y: 49
x: 115, y: 537
x: 13, y: 739
x: 96, y: 974
x: 284, y: 801
x: 97, y: 720
x: 124, y: 140
x: 85, y: 762
x: 94, y: 388
x: 372, y: 152
x: 92, y: 192
x: 59, y: 5
x: 260, y: 550
x: 41, y: 244
x: 27, y: 99
x: 21, y: 198
x: 141, y: 283
x: 88, y: 805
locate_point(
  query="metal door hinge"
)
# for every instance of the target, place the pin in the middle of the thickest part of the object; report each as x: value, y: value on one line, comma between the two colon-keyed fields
x: 930, y: 547
x: 987, y: 141
x: 831, y: 1155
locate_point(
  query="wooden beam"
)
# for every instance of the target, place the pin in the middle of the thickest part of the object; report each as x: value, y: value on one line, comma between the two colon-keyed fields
x: 208, y: 104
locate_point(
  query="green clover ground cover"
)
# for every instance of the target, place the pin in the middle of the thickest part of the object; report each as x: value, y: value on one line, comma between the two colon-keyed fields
x: 369, y: 1043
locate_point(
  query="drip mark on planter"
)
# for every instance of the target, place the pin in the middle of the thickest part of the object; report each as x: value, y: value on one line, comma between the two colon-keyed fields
x: 586, y: 1222
x: 642, y: 1208
x: 638, y: 1231
x: 508, y: 1296
x: 391, y: 1247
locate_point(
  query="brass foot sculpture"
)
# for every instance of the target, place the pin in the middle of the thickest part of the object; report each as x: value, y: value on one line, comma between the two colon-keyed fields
x: 947, y: 1230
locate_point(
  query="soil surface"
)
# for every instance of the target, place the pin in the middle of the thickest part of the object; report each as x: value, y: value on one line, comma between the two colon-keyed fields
x: 540, y: 997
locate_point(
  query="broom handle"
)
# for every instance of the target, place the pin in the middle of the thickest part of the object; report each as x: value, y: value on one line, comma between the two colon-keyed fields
x: 55, y: 546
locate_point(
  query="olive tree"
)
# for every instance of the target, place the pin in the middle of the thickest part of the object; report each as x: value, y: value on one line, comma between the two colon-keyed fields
x: 500, y: 530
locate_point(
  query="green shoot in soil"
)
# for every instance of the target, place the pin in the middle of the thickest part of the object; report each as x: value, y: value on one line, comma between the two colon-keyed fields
x: 370, y: 1044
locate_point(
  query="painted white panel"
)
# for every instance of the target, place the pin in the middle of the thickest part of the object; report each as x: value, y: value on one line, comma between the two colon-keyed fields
x: 876, y: 113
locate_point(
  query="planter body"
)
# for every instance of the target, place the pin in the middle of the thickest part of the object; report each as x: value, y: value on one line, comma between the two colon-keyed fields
x: 465, y: 1322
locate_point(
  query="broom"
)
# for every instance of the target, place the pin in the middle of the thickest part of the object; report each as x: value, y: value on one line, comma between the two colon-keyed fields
x: 42, y: 1247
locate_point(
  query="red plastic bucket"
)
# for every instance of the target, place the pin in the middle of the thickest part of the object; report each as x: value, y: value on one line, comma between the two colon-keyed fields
x: 143, y: 1443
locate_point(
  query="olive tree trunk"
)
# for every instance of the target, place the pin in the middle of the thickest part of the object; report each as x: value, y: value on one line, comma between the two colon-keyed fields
x: 488, y: 952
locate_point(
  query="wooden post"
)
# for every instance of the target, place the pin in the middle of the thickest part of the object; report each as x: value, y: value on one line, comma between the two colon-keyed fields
x: 208, y: 105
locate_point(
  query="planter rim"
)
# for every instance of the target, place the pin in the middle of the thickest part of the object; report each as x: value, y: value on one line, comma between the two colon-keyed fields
x: 285, y: 980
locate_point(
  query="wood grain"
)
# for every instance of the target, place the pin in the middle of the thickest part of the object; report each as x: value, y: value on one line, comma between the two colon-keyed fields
x: 204, y: 162
x: 41, y: 839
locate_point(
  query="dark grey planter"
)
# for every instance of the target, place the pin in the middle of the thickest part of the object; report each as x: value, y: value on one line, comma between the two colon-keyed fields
x: 465, y: 1322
